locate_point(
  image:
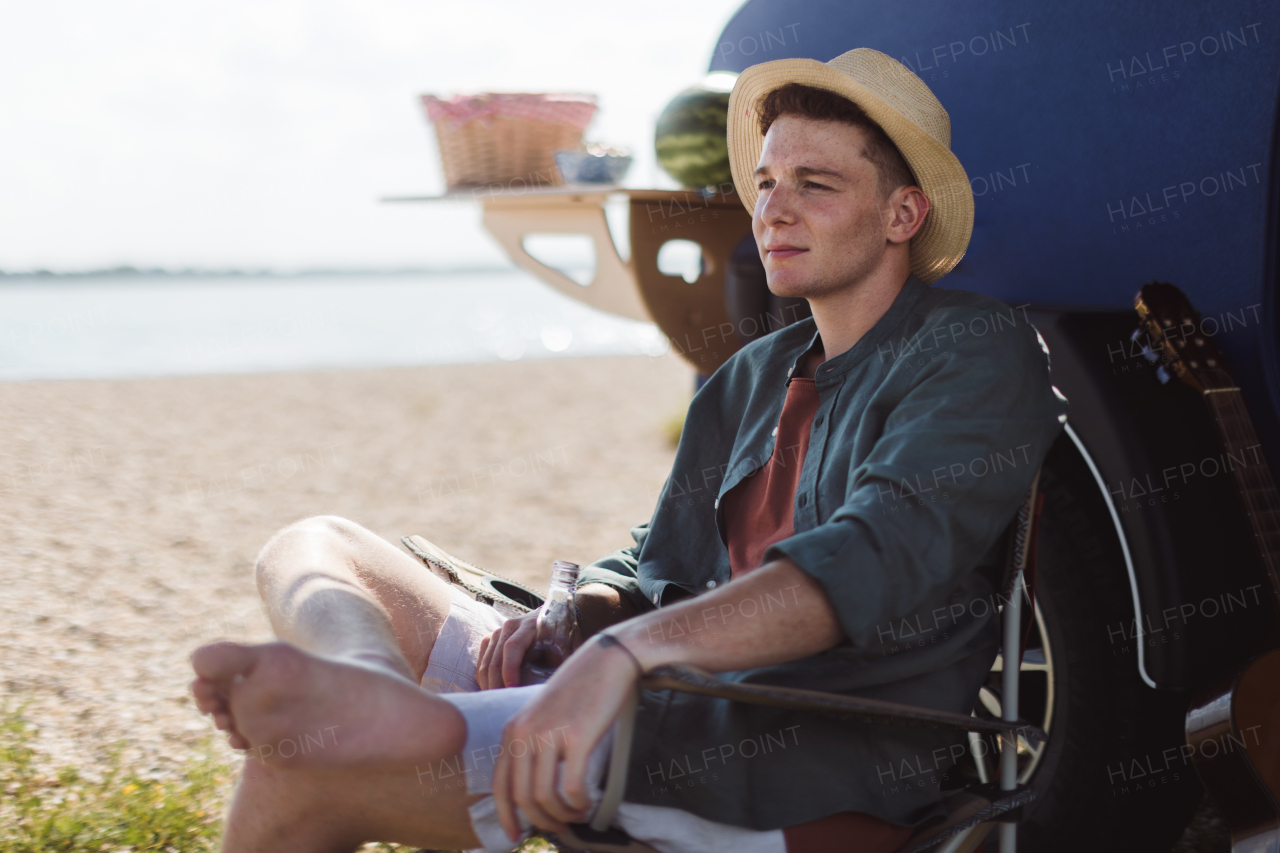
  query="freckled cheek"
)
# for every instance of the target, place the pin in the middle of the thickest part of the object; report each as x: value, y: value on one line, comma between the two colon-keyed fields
x: 845, y: 244
x: 863, y: 230
x: 839, y: 235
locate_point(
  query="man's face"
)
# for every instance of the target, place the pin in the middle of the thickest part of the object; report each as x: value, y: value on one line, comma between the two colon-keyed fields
x: 818, y: 219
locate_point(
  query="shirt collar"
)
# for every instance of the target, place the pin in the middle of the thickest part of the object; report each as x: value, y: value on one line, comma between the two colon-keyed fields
x: 911, y: 291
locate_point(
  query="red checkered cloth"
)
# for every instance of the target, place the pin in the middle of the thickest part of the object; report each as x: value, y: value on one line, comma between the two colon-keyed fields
x: 573, y: 110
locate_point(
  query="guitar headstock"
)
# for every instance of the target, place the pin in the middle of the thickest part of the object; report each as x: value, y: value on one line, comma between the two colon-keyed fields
x: 1175, y: 333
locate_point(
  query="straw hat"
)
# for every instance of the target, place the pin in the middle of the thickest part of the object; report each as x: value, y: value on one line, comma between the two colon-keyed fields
x: 897, y: 100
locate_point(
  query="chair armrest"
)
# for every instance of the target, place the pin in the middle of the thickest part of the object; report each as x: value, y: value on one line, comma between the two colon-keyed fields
x: 688, y: 679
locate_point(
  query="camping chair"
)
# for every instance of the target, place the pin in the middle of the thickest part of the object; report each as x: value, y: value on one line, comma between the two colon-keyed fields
x: 972, y: 812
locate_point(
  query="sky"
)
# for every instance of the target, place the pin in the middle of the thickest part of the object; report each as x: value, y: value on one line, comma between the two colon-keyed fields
x: 261, y: 133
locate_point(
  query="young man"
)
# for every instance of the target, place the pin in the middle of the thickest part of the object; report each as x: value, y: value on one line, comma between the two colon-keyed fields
x: 836, y: 491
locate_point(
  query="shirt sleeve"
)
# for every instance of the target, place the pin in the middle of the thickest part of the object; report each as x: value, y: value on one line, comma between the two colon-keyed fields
x: 619, y: 570
x: 961, y: 440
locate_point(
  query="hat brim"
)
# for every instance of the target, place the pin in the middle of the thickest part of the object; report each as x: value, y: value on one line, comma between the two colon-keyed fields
x: 941, y: 241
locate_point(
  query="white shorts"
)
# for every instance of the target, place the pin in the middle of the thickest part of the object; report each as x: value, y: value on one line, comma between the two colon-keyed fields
x: 451, y: 671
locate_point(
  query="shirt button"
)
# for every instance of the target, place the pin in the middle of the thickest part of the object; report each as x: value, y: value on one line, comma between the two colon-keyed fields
x: 775, y: 432
x: 711, y: 584
x: 717, y: 503
x: 655, y: 598
x: 790, y: 370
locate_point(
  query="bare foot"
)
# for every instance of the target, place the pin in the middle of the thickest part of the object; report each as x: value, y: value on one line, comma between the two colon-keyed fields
x: 291, y: 708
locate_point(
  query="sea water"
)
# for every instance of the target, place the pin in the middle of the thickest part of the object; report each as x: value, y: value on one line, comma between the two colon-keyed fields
x: 117, y: 327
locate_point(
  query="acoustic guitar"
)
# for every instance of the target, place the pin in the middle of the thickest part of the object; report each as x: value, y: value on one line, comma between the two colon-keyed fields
x: 1232, y: 728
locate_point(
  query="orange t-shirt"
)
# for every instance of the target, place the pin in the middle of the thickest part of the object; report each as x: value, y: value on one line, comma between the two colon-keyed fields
x: 759, y: 511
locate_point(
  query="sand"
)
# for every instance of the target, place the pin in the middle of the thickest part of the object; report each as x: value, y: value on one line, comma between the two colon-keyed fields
x: 131, y: 512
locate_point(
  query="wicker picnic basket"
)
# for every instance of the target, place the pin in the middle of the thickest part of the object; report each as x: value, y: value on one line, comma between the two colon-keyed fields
x: 506, y: 138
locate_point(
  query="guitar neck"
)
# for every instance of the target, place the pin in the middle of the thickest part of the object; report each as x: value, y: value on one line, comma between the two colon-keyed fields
x: 1248, y: 465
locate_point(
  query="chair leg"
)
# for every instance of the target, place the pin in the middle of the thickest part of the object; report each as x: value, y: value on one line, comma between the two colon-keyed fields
x: 1012, y: 652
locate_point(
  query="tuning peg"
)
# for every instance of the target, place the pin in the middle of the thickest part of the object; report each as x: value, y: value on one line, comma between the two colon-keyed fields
x: 1138, y: 337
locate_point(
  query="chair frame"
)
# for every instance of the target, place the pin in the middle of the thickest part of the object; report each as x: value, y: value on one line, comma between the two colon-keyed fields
x: 998, y: 804
x: 975, y: 810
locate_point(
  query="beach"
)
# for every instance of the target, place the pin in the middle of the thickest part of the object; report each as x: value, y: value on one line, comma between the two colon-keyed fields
x: 131, y: 511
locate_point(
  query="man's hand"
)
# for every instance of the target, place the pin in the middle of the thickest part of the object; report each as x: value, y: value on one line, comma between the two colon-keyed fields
x: 546, y: 778
x: 502, y: 652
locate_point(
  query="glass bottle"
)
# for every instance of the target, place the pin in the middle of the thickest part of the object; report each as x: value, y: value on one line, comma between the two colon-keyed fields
x: 557, y: 626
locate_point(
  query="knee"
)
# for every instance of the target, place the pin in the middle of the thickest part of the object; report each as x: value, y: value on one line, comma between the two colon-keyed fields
x: 330, y: 531
x: 320, y: 526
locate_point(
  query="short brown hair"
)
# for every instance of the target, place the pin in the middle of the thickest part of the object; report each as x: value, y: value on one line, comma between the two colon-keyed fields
x: 823, y: 105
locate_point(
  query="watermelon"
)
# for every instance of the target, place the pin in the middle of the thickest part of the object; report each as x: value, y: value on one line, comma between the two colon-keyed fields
x: 690, y: 136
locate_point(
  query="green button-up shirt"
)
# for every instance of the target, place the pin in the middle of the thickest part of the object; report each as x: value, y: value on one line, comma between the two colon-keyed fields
x: 927, y: 435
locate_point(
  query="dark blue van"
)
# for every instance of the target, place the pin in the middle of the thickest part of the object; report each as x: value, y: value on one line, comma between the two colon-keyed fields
x: 1110, y: 145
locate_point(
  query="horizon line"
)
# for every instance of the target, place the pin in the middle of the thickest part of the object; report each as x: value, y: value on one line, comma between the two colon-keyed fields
x: 258, y: 272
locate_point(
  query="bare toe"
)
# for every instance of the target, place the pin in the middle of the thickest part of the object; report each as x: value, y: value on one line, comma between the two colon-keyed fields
x: 206, y: 696
x: 221, y: 663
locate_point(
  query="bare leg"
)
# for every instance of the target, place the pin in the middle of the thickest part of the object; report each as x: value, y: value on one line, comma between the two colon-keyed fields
x: 334, y: 588
x: 334, y: 741
x: 338, y: 753
x: 325, y: 811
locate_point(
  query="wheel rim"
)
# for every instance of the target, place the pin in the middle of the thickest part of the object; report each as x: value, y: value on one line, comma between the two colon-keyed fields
x: 1036, y: 697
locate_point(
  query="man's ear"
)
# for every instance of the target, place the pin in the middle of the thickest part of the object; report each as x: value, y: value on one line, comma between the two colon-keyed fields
x: 905, y: 210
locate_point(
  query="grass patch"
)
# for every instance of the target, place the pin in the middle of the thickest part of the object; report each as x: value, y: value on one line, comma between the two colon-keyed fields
x: 123, y: 812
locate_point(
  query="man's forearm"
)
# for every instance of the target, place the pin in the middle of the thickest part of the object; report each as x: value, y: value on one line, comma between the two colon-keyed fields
x: 775, y: 614
x: 601, y: 606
